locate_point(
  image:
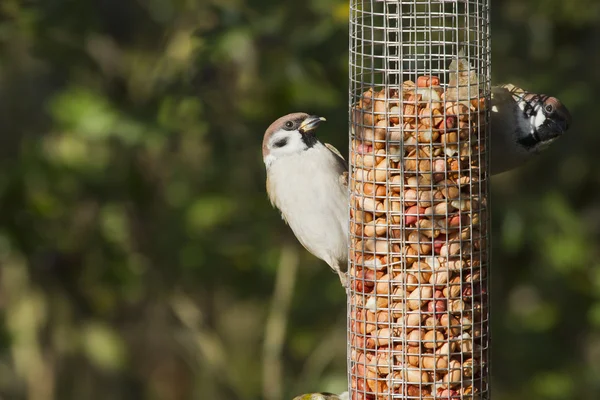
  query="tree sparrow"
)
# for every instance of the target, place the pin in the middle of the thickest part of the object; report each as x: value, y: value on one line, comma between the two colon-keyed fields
x: 523, y: 124
x: 308, y: 182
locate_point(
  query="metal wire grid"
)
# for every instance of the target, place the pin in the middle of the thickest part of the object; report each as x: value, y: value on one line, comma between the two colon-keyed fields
x: 419, y: 227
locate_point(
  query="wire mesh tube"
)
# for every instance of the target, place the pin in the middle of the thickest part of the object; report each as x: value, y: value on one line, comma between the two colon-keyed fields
x: 417, y: 303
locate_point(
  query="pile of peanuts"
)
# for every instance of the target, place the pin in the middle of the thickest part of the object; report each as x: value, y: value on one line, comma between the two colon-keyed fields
x: 418, y: 302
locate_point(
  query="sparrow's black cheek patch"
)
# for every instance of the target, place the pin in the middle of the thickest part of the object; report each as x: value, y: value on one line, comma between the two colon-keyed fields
x: 280, y: 142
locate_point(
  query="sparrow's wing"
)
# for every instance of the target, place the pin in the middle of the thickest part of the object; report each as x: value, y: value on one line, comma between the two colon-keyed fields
x: 344, y: 179
x: 343, y: 165
x: 339, y: 156
x: 517, y: 93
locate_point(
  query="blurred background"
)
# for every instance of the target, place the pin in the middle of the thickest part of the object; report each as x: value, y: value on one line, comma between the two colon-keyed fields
x: 140, y: 257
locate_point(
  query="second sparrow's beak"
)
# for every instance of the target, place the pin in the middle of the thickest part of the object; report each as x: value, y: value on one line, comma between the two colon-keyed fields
x: 311, y: 123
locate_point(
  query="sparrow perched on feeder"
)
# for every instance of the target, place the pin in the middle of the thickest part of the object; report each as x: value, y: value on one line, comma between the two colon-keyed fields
x: 523, y: 124
x: 322, y: 396
x: 308, y: 182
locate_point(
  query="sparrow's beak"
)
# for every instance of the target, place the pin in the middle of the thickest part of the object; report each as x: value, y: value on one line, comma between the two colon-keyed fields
x: 311, y: 123
x: 563, y: 125
x: 567, y: 119
x: 550, y: 131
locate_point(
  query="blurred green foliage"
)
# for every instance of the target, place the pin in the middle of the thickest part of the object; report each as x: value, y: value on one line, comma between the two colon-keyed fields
x: 140, y: 257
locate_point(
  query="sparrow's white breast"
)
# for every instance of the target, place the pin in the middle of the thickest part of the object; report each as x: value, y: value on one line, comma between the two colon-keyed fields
x: 307, y: 190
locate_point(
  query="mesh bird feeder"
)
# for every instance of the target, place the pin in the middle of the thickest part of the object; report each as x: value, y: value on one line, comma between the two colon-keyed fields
x: 419, y: 224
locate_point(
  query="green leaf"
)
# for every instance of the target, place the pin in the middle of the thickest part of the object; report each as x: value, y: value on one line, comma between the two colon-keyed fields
x: 103, y: 346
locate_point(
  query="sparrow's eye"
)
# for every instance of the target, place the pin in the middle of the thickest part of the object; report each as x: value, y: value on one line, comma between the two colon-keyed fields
x: 549, y: 108
x: 289, y: 124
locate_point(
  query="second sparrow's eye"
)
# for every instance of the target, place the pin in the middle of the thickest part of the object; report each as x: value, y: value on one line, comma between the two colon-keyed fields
x: 549, y: 108
x: 289, y: 124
